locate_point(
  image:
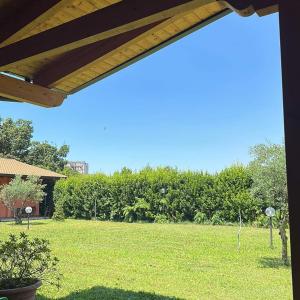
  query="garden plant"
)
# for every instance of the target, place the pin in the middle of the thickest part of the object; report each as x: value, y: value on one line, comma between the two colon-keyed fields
x: 24, y: 265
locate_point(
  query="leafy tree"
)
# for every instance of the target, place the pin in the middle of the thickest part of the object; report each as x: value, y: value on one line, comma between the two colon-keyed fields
x: 268, y: 170
x: 47, y: 156
x: 15, y: 138
x: 69, y: 171
x: 18, y: 193
x: 16, y: 142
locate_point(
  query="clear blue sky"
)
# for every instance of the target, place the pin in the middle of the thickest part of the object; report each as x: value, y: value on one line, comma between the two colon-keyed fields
x: 197, y: 104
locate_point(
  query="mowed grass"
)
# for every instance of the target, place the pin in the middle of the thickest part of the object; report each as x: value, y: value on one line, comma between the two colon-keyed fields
x: 105, y: 260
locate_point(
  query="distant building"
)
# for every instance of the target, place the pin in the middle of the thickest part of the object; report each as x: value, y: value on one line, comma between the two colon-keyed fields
x: 81, y: 167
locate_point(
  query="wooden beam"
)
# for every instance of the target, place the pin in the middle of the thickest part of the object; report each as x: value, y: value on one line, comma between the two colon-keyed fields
x: 28, y: 17
x: 156, y: 48
x: 246, y: 8
x: 243, y: 7
x: 289, y: 16
x: 23, y: 91
x: 74, y: 62
x: 101, y: 24
x: 268, y: 10
x: 76, y: 59
x: 266, y: 7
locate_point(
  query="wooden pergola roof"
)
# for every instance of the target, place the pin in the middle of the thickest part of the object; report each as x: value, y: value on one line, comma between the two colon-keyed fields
x: 54, y: 48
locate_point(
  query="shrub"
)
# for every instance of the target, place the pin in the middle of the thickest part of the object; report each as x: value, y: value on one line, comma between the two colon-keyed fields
x: 264, y: 221
x: 161, y: 219
x: 149, y: 194
x: 24, y: 261
x: 261, y: 221
x: 200, y: 218
x: 58, y: 213
x: 217, y: 219
x: 138, y: 212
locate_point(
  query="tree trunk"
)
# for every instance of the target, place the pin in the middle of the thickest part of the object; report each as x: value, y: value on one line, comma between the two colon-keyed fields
x: 284, y: 240
x: 18, y: 217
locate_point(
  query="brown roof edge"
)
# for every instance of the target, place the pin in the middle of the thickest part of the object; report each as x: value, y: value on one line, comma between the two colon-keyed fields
x: 11, y: 167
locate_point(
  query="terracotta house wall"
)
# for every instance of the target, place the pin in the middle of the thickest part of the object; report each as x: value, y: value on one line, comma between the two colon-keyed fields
x: 6, y: 213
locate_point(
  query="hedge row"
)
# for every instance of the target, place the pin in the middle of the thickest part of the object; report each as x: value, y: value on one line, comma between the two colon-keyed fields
x: 160, y: 195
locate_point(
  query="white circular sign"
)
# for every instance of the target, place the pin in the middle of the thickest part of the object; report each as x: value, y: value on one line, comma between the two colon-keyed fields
x: 270, y: 212
x: 28, y: 210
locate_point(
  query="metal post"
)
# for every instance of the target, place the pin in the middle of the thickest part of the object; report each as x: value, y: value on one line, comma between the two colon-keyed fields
x: 240, y: 229
x: 28, y: 222
x: 95, y: 209
x: 289, y: 15
x: 271, y: 233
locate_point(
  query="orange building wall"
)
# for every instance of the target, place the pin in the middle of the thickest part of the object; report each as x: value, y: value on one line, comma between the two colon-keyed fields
x: 6, y: 213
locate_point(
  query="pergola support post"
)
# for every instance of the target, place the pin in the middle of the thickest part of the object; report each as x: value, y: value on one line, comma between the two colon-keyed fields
x: 289, y: 16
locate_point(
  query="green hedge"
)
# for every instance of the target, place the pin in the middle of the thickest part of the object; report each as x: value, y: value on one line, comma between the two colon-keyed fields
x: 160, y: 195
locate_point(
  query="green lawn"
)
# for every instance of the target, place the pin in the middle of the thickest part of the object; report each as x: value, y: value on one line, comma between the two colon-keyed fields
x: 103, y: 260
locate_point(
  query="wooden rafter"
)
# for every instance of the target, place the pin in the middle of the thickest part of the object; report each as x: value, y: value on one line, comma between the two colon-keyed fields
x: 79, y: 58
x: 32, y: 14
x: 154, y: 49
x: 248, y: 7
x: 96, y: 26
x: 23, y: 91
x: 266, y: 7
x: 74, y: 62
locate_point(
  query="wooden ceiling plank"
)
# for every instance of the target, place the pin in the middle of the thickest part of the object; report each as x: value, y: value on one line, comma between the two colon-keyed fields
x: 101, y: 24
x: 146, y: 52
x: 30, y: 16
x: 78, y: 58
x: 23, y: 91
x: 73, y: 65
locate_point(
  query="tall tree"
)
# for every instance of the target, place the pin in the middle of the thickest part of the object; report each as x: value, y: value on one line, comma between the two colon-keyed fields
x: 15, y: 138
x: 16, y: 142
x: 268, y: 170
x: 48, y: 156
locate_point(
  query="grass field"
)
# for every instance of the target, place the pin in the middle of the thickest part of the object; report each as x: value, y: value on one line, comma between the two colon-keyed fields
x: 103, y: 260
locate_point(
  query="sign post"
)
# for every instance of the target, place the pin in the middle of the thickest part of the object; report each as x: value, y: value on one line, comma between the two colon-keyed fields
x: 270, y: 212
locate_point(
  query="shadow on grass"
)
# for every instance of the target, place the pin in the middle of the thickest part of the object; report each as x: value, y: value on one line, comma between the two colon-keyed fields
x: 272, y: 262
x: 32, y: 223
x: 105, y: 293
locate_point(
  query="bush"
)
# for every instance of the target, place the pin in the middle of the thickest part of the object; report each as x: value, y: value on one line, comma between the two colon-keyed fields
x: 264, y: 221
x: 149, y: 194
x: 140, y: 211
x: 58, y: 213
x: 161, y: 219
x: 217, y: 219
x: 200, y: 218
x: 15, y: 269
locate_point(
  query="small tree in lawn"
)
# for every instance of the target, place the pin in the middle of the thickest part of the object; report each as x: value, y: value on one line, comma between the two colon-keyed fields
x: 268, y: 170
x: 19, y: 192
